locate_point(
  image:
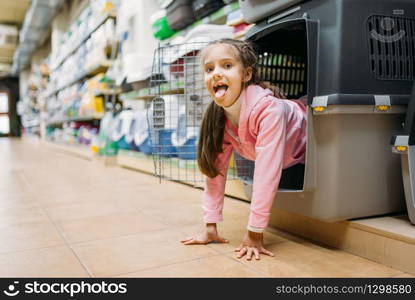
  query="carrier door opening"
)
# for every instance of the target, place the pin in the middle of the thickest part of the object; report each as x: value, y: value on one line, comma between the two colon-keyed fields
x: 283, y: 61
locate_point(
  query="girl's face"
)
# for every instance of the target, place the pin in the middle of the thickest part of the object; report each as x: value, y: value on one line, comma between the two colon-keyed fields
x: 224, y: 74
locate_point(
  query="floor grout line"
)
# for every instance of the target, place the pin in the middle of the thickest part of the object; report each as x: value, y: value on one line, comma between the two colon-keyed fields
x: 169, y: 264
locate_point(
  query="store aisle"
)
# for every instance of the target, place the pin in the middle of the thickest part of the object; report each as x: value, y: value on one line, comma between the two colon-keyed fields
x: 62, y: 216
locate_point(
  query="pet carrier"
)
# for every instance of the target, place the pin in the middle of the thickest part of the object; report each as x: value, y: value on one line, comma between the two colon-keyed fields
x: 141, y: 132
x: 122, y: 127
x: 254, y: 10
x: 202, y: 8
x: 404, y: 144
x: 180, y: 14
x: 177, y: 73
x: 354, y: 62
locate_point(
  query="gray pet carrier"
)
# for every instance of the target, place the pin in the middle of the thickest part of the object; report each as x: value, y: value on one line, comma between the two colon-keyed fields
x: 354, y: 62
x: 404, y: 144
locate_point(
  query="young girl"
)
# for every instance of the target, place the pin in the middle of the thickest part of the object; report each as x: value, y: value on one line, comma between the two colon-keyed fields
x: 252, y: 118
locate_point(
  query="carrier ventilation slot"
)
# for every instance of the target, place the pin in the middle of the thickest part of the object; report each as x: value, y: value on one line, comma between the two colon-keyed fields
x: 391, y: 47
x: 288, y: 72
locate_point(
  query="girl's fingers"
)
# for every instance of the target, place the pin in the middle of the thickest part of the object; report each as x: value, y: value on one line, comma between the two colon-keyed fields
x: 256, y: 253
x: 249, y: 253
x: 242, y: 252
x: 266, y: 252
x: 238, y: 249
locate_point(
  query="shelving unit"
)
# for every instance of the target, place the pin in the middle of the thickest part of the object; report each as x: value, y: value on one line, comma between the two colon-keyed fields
x: 148, y: 93
x: 99, y: 67
x: 72, y: 50
x: 77, y: 119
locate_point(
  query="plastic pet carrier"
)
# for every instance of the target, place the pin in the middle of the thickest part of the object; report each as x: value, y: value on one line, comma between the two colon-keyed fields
x: 353, y: 61
x: 404, y: 144
x: 254, y: 10
x: 141, y: 136
x: 121, y: 129
x: 202, y: 8
x: 159, y: 25
x: 183, y: 79
x: 180, y: 14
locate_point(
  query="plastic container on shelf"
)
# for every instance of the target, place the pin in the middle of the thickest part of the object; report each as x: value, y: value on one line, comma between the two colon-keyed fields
x: 107, y: 146
x: 122, y: 127
x: 202, y: 8
x: 254, y: 10
x: 234, y: 18
x: 137, y: 41
x: 184, y: 138
x: 160, y: 26
x: 180, y: 14
x: 141, y: 134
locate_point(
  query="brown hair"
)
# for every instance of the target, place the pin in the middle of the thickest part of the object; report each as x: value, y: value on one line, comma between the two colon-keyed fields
x: 213, y: 123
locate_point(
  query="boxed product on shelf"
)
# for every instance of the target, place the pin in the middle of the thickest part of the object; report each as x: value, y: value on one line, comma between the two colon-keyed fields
x: 91, y: 105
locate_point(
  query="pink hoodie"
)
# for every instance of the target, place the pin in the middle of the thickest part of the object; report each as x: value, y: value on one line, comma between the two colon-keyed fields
x: 273, y: 133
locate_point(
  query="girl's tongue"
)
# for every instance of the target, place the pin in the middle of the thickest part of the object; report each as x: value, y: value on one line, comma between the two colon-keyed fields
x: 220, y: 91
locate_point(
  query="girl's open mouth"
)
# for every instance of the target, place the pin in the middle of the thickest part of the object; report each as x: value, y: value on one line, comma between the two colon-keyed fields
x: 220, y: 90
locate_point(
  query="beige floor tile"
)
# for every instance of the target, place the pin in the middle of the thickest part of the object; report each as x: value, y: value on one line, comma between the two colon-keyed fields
x: 21, y: 214
x: 29, y: 235
x: 296, y: 260
x: 128, y: 254
x: 108, y: 226
x: 46, y: 262
x: 175, y: 214
x: 214, y: 266
x: 17, y: 201
x: 88, y: 209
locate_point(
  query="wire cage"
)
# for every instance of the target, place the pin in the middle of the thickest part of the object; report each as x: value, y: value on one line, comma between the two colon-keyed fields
x: 175, y: 115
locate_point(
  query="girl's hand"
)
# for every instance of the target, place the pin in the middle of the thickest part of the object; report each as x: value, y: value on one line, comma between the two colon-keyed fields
x: 209, y: 236
x: 252, y: 244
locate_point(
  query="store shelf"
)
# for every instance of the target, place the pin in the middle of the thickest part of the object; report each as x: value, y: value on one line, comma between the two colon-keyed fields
x: 145, y: 163
x: 75, y: 150
x: 72, y: 50
x: 150, y: 93
x: 107, y: 92
x: 99, y: 67
x: 76, y: 119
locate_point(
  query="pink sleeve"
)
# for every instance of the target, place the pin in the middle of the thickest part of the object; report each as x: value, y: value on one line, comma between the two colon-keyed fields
x: 270, y: 125
x: 214, y: 191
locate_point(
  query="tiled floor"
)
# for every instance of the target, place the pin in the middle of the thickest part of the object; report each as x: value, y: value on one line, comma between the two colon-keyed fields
x: 62, y: 216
